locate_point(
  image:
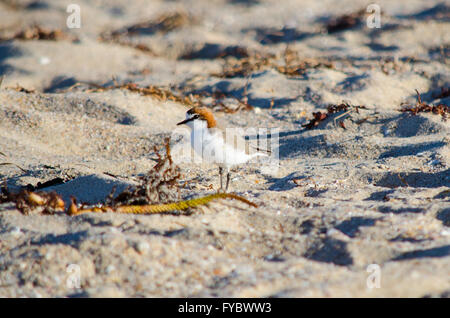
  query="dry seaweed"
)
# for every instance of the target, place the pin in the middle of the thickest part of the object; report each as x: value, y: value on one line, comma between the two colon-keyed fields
x: 21, y: 89
x: 422, y: 107
x: 292, y: 64
x: 317, y: 118
x: 159, y: 185
x: 215, y: 51
x: 153, y: 91
x: 345, y: 22
x: 245, y: 66
x: 36, y: 32
x: 33, y: 202
x: 189, y: 100
x: 163, y: 24
x: 332, y: 109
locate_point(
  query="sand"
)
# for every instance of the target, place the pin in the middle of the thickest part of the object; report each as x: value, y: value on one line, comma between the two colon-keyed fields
x: 337, y: 201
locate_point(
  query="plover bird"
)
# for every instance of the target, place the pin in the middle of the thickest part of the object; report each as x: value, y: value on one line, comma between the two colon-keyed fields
x: 225, y: 148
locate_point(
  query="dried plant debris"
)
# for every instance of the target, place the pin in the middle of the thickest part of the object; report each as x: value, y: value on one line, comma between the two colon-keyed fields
x: 422, y: 107
x: 390, y: 66
x: 317, y: 118
x: 215, y: 51
x: 345, y: 22
x: 153, y: 91
x: 46, y: 184
x: 21, y: 89
x: 190, y: 99
x: 218, y: 103
x: 159, y: 185
x: 33, y: 202
x: 292, y: 64
x: 24, y: 5
x: 36, y: 32
x: 127, y: 42
x: 245, y: 66
x: 332, y: 109
x: 162, y: 24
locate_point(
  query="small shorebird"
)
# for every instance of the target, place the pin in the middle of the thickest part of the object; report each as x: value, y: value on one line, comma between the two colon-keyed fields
x: 215, y: 145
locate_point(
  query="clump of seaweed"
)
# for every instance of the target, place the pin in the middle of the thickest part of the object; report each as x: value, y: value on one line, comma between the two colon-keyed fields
x: 345, y: 21
x: 36, y: 32
x: 33, y: 202
x: 422, y: 107
x: 318, y: 117
x: 159, y: 185
x: 292, y: 64
x: 153, y: 91
x: 190, y: 100
x: 162, y: 24
x: 245, y: 66
x: 215, y: 51
x: 21, y: 89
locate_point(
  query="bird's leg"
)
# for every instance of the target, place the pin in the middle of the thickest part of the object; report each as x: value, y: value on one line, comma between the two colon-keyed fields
x: 220, y: 175
x: 228, y: 180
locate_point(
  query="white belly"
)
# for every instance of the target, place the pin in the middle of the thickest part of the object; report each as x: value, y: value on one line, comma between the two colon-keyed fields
x: 213, y: 149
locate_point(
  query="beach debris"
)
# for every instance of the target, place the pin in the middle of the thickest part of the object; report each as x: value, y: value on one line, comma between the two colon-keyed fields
x: 33, y: 202
x: 36, y: 32
x: 163, y: 24
x: 318, y: 117
x: 291, y: 65
x: 153, y: 91
x: 345, y: 21
x: 46, y: 184
x: 160, y: 208
x: 294, y: 65
x: 21, y: 89
x: 215, y: 51
x: 422, y: 107
x: 244, y: 66
x: 159, y: 185
x: 127, y: 42
x: 163, y: 94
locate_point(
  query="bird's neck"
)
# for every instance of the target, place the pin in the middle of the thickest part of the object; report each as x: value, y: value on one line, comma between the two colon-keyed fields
x: 200, y: 126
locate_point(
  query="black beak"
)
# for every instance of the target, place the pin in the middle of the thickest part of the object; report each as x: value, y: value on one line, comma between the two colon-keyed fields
x: 187, y: 120
x: 184, y: 121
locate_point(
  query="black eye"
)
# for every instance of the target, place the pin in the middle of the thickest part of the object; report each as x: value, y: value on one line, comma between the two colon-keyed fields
x: 196, y: 116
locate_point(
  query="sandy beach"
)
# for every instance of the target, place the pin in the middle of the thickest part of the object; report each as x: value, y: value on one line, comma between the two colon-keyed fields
x: 354, y: 203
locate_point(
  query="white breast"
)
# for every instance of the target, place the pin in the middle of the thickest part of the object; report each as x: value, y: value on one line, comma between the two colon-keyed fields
x: 211, y: 146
